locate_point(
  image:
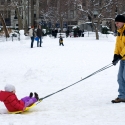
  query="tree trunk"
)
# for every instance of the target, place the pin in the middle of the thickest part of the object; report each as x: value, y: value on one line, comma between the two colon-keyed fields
x: 97, y: 34
x: 61, y: 24
x: 24, y: 17
x: 96, y: 30
x: 113, y: 25
x: 32, y: 12
x: 4, y: 26
x: 20, y: 24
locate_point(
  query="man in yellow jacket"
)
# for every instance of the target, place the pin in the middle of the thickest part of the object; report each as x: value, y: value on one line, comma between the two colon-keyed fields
x: 119, y: 54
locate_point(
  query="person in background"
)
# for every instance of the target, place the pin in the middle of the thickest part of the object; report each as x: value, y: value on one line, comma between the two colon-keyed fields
x: 12, y: 103
x: 83, y: 33
x: 79, y: 32
x: 67, y: 33
x: 61, y: 41
x: 32, y: 35
x: 119, y: 54
x: 56, y: 31
x: 39, y: 34
x: 53, y: 32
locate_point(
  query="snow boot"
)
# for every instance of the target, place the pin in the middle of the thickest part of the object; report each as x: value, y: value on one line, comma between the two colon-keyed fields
x: 31, y: 95
x: 118, y: 100
x: 36, y: 96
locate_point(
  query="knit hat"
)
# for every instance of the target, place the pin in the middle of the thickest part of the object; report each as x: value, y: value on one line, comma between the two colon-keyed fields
x: 9, y: 88
x: 120, y: 18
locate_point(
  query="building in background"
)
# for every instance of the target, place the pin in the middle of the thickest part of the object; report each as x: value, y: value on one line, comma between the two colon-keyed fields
x: 54, y: 13
x: 9, y: 9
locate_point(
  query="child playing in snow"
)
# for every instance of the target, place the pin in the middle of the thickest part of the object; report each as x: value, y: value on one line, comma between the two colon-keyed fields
x: 61, y: 41
x: 11, y: 101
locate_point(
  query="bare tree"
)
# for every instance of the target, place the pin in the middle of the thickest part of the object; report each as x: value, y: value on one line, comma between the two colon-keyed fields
x: 95, y: 11
x: 32, y: 12
x: 98, y: 10
x: 4, y: 25
x: 116, y: 8
x: 16, y: 4
x: 3, y: 15
x: 57, y: 11
x: 22, y: 7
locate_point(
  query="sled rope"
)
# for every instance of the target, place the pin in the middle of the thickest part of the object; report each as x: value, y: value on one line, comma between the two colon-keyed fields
x: 103, y: 68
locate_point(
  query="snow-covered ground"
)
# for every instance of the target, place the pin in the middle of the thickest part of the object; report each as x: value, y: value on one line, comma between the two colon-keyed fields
x: 52, y: 67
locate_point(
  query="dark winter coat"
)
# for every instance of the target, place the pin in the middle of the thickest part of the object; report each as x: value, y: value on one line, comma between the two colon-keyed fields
x: 11, y: 101
x: 39, y: 32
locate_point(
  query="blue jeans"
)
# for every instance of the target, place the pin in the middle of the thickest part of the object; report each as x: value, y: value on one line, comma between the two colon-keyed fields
x: 32, y: 41
x: 40, y: 40
x: 121, y: 80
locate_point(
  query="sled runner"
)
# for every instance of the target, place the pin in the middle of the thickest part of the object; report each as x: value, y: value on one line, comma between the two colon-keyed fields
x: 26, y: 109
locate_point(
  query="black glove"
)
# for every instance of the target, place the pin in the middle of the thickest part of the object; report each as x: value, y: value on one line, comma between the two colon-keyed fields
x: 116, y: 59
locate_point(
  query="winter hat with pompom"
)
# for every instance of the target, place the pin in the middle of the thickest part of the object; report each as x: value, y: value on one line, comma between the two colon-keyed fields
x: 120, y: 18
x: 9, y: 88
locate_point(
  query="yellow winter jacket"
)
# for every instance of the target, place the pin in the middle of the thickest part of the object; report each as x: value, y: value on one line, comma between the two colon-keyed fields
x: 120, y: 43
